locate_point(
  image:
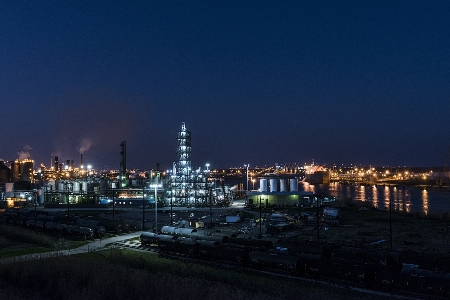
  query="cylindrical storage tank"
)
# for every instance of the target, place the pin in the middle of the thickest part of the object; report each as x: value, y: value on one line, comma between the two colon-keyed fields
x: 5, y: 173
x: 263, y: 185
x: 61, y: 186
x: 15, y: 171
x: 76, y: 187
x: 293, y: 185
x: 282, y: 185
x: 273, y: 185
x: 83, y: 187
x: 41, y: 196
x: 27, y: 170
x: 9, y: 190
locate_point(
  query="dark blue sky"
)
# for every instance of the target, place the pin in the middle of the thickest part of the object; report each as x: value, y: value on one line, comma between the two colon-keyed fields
x: 258, y: 82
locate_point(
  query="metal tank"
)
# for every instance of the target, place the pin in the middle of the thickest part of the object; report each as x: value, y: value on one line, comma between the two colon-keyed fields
x: 293, y: 185
x: 15, y: 170
x: 263, y: 185
x: 26, y: 170
x: 282, y: 185
x: 9, y: 190
x: 84, y: 187
x: 5, y: 173
x: 76, y: 187
x: 273, y: 185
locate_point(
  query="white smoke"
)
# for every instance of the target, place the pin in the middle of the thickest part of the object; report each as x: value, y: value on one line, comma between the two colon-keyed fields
x: 86, y: 143
x: 24, y: 154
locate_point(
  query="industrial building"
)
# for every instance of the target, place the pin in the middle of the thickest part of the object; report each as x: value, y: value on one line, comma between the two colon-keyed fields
x: 279, y: 192
x: 65, y: 183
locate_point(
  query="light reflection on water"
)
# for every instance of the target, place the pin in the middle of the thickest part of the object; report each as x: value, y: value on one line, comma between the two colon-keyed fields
x: 387, y: 197
x: 375, y: 197
x: 425, y: 201
x: 403, y: 198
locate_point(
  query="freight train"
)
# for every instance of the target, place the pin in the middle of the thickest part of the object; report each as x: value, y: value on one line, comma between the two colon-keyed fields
x: 376, y: 269
x: 60, y: 224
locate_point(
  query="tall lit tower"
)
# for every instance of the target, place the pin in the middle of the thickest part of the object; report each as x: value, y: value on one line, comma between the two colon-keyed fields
x: 184, y: 151
x: 187, y: 186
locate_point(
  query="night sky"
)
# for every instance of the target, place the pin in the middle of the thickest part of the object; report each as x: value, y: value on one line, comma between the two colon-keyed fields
x: 257, y: 82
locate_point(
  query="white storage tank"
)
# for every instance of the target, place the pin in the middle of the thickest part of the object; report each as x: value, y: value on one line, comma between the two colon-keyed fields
x: 9, y: 189
x: 293, y: 185
x: 76, y: 187
x: 282, y: 185
x: 83, y: 187
x: 263, y: 185
x: 273, y: 185
x: 61, y: 186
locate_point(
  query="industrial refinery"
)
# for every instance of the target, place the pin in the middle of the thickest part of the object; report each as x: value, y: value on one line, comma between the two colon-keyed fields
x: 66, y: 183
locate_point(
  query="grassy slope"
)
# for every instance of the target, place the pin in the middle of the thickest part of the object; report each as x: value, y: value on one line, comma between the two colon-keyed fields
x: 123, y: 274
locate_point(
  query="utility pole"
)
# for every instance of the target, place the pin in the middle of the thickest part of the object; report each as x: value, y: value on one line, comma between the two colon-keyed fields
x: 260, y: 218
x: 390, y: 220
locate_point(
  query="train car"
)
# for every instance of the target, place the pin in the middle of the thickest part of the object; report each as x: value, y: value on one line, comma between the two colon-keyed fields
x: 112, y: 226
x: 188, y: 247
x: 207, y: 249
x: 177, y: 231
x: 345, y: 269
x: 421, y: 280
x: 364, y: 256
x: 168, y: 230
x: 184, y: 232
x: 256, y: 243
x: 314, y: 264
x: 233, y: 253
x: 148, y: 238
x: 309, y: 247
x: 196, y: 235
x: 424, y: 260
x: 289, y: 262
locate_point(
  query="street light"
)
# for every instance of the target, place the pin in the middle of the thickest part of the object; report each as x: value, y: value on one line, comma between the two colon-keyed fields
x: 156, y: 205
x: 260, y: 218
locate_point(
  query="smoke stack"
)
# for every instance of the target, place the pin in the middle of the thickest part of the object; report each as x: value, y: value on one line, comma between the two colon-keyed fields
x: 81, y: 159
x: 56, y: 163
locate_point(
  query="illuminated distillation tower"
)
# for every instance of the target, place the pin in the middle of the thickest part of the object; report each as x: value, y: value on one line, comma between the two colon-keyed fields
x: 181, y: 184
x: 187, y: 186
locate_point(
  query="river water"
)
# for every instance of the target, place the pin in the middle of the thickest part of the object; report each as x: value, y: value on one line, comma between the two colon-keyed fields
x: 404, y: 198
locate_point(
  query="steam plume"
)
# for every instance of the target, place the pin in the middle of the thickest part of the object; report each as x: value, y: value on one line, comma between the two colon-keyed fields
x: 24, y: 154
x: 86, y: 143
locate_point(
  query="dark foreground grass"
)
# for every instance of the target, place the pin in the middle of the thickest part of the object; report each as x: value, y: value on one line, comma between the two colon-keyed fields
x: 25, y: 235
x: 120, y: 274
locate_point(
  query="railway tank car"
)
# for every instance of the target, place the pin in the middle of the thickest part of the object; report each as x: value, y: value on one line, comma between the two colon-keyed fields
x: 373, y: 268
